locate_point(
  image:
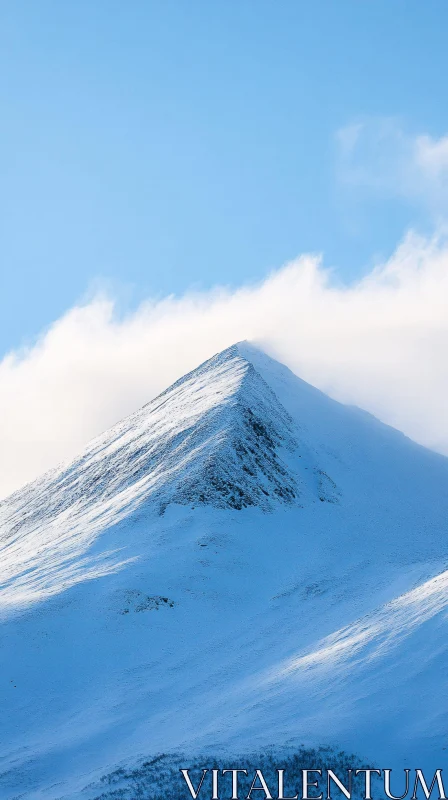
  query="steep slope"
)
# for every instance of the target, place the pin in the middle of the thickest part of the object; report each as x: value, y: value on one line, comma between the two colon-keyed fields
x: 242, y: 562
x: 213, y: 438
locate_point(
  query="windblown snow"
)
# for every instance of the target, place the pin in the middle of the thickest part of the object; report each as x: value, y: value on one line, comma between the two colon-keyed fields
x: 243, y: 562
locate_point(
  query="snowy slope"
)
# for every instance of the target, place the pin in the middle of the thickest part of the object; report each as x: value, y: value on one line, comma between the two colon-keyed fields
x: 242, y: 562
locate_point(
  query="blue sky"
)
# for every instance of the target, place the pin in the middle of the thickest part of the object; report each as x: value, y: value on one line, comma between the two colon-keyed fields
x: 154, y: 147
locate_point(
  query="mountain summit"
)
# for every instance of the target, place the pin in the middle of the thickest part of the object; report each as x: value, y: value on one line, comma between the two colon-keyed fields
x: 242, y: 562
x: 219, y: 436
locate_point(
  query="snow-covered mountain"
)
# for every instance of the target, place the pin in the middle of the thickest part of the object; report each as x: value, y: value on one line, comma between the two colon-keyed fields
x: 243, y: 562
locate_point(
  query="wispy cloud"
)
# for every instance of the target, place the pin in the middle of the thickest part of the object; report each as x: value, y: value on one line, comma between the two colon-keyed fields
x: 431, y: 155
x: 380, y: 156
x: 381, y: 344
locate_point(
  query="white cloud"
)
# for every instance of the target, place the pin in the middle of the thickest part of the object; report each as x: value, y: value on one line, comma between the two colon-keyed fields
x: 381, y: 344
x: 432, y: 155
x: 380, y: 156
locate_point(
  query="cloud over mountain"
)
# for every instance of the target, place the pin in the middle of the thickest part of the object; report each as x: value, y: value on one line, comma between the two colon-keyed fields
x: 380, y: 343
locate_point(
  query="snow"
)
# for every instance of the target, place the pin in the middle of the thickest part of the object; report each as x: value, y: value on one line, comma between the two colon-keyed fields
x: 242, y: 562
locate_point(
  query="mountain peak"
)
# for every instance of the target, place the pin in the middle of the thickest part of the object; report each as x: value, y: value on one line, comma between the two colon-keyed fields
x: 242, y: 437
x: 221, y: 410
x: 222, y: 443
x: 218, y: 437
